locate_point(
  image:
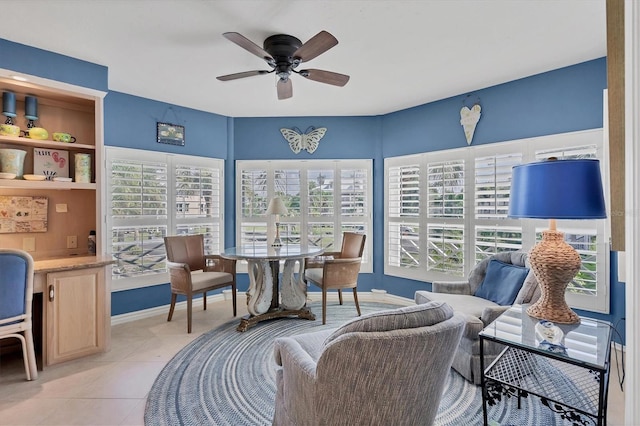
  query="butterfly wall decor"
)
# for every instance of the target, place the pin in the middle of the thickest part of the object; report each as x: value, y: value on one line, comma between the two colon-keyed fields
x: 308, y: 140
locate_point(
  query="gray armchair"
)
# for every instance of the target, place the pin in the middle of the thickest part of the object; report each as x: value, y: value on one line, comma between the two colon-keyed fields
x: 479, y: 311
x: 384, y: 368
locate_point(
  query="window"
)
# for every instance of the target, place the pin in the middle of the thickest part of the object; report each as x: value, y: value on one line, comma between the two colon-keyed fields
x: 324, y: 198
x: 447, y: 210
x: 152, y: 195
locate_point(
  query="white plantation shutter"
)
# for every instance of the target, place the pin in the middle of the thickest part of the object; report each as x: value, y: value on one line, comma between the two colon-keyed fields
x: 138, y: 208
x: 445, y: 248
x: 353, y: 192
x: 447, y: 210
x: 490, y: 240
x: 324, y: 198
x: 445, y: 185
x: 403, y: 211
x: 445, y: 242
x: 198, y: 200
x: 493, y: 185
x: 321, y: 196
x: 152, y: 195
x: 494, y: 233
x: 138, y: 189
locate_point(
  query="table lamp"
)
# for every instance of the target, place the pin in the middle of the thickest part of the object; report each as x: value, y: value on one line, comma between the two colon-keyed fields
x: 556, y: 189
x: 277, y: 207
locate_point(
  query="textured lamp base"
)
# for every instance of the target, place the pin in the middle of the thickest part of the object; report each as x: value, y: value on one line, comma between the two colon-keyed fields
x: 554, y: 263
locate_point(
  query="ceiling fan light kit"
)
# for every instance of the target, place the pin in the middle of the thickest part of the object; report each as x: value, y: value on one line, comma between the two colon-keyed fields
x: 284, y: 53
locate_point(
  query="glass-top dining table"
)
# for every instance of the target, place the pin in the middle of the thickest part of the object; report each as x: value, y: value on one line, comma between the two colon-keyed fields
x: 270, y: 296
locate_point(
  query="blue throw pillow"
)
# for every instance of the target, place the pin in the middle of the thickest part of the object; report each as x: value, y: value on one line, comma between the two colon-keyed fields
x: 502, y: 282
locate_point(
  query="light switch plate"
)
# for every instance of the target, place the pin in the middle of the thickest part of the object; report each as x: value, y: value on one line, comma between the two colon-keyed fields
x: 61, y: 208
x: 72, y: 242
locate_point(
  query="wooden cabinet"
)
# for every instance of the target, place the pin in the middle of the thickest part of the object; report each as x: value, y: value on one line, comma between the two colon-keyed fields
x: 74, y: 308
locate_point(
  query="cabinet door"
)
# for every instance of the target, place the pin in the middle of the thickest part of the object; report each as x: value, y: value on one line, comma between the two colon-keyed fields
x: 75, y: 314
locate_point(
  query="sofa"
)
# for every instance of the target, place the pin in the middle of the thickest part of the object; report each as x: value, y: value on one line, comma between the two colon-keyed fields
x: 511, y: 282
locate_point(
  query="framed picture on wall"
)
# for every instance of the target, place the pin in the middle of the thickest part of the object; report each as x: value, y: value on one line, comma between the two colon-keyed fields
x: 172, y: 134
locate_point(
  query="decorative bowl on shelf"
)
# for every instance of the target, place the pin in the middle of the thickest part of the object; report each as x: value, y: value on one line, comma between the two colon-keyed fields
x: 5, y: 175
x: 36, y: 133
x: 34, y: 177
x: 9, y: 130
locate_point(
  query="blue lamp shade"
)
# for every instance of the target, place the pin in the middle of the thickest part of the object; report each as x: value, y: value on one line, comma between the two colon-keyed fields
x: 557, y: 189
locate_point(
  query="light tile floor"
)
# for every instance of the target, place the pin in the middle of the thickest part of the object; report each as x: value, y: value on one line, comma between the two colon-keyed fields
x: 111, y: 388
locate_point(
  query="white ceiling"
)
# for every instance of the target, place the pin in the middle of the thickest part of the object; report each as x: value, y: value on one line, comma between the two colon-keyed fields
x: 398, y: 53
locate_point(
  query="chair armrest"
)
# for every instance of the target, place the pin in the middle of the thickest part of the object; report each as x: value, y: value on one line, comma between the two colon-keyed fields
x: 340, y: 272
x: 489, y: 314
x: 299, y: 379
x: 318, y: 261
x: 451, y: 287
x: 180, y: 276
x: 217, y: 263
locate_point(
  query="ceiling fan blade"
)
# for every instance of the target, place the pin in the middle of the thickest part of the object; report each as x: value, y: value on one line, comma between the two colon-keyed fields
x: 327, y: 77
x: 285, y: 89
x: 250, y: 46
x: 242, y: 75
x: 317, y: 45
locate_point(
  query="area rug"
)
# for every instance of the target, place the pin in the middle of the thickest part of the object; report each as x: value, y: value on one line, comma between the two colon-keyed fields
x: 228, y: 378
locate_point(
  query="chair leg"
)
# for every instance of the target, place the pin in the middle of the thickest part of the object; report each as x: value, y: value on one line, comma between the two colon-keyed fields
x: 31, y: 354
x: 173, y: 305
x: 204, y: 300
x: 324, y: 306
x: 355, y: 298
x: 189, y: 304
x: 340, y: 295
x: 234, y: 300
x: 23, y: 345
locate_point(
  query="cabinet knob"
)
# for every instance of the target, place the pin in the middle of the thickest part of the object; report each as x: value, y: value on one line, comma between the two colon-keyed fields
x: 51, y: 293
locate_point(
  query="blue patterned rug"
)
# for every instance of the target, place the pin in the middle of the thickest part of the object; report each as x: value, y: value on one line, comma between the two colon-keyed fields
x: 228, y: 378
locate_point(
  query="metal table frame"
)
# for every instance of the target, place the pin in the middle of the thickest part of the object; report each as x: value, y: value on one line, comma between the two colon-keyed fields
x: 574, y: 384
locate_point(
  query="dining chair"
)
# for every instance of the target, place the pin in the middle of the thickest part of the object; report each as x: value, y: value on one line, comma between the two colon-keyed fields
x: 194, y: 272
x: 16, y: 296
x: 337, y: 270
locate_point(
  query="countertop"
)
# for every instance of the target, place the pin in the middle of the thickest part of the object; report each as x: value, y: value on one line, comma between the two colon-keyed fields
x: 70, y: 263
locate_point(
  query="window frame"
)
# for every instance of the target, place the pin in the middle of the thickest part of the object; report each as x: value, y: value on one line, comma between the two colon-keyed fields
x: 305, y: 220
x: 172, y: 221
x: 529, y: 227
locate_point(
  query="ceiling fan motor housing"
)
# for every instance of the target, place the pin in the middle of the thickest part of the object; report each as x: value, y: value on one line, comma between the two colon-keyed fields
x: 282, y: 47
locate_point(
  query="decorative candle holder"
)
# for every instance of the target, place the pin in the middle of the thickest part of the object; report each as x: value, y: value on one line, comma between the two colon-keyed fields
x: 31, y: 110
x: 9, y: 106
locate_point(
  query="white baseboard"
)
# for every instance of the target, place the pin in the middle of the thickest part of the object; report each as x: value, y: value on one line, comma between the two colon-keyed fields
x: 374, y: 295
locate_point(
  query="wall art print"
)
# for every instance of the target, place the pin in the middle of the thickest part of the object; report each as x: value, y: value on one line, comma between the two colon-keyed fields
x: 172, y: 134
x: 23, y: 214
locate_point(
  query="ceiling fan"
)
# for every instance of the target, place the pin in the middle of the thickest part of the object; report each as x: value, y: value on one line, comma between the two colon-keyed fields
x: 284, y: 53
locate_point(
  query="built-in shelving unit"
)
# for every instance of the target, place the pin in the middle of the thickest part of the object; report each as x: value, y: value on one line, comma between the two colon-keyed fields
x: 73, y: 303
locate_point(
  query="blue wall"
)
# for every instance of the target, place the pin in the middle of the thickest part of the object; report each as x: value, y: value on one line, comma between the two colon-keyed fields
x: 130, y: 122
x: 30, y: 60
x: 563, y: 100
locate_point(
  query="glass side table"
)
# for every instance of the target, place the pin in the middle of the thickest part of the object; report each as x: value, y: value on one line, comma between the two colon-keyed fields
x: 571, y: 378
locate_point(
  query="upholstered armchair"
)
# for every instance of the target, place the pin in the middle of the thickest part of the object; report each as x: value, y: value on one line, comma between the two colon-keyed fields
x: 384, y: 368
x: 494, y: 285
x: 337, y: 270
x: 192, y: 272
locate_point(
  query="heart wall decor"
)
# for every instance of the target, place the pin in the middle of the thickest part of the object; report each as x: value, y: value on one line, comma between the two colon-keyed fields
x: 469, y: 118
